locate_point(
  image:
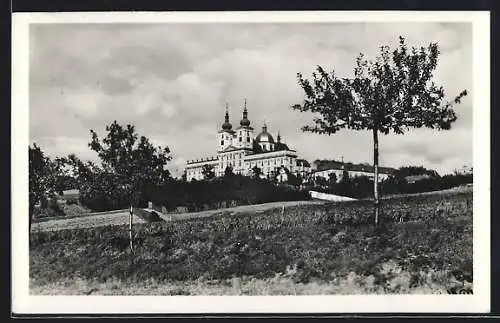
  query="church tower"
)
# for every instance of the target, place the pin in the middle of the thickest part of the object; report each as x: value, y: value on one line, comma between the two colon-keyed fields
x: 244, y: 133
x: 225, y: 136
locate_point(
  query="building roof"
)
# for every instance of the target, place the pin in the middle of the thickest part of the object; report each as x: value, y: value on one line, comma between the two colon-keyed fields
x: 335, y: 165
x: 200, y: 160
x: 266, y: 154
x: 232, y: 148
x: 264, y: 136
x: 280, y: 146
x: 303, y: 162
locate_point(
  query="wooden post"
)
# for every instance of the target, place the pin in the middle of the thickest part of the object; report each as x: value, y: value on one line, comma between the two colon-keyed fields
x: 130, y: 229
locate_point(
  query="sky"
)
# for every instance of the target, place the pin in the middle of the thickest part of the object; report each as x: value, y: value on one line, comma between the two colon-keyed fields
x: 172, y: 82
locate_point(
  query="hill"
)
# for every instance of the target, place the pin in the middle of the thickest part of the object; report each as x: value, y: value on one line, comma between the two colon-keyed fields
x: 309, y: 249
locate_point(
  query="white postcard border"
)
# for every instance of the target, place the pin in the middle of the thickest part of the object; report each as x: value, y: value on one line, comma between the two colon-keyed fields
x: 22, y: 302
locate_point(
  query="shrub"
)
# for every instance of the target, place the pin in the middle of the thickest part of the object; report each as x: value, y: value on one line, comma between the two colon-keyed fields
x: 71, y: 201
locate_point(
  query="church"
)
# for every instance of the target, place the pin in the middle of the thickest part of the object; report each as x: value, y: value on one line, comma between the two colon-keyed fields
x: 241, y: 151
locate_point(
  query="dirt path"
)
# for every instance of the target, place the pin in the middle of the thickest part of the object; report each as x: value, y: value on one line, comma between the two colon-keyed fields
x: 122, y: 218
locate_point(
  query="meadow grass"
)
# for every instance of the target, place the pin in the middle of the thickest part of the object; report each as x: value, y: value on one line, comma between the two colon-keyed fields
x: 423, y: 246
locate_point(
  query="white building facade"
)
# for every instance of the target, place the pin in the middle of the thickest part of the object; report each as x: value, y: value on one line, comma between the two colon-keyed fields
x: 239, y: 150
x: 354, y: 170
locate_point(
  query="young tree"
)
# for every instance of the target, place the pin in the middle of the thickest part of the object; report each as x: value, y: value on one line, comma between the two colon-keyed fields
x: 208, y: 172
x: 132, y: 161
x: 43, y: 174
x: 391, y: 94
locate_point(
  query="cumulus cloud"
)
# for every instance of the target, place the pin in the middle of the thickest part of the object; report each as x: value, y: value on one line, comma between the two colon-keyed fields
x: 172, y: 82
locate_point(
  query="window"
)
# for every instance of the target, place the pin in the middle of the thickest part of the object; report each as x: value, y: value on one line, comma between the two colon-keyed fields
x: 222, y: 142
x: 240, y: 139
x: 248, y: 139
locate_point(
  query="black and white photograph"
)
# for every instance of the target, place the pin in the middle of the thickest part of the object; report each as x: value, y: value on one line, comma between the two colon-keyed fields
x: 336, y: 158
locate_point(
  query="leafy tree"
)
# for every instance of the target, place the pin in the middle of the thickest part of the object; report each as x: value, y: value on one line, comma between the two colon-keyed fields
x: 345, y: 184
x: 332, y: 180
x: 129, y: 162
x: 43, y: 174
x: 320, y: 181
x: 256, y: 172
x: 294, y: 180
x: 228, y: 171
x: 391, y: 94
x: 208, y: 172
x: 96, y: 186
x: 65, y: 182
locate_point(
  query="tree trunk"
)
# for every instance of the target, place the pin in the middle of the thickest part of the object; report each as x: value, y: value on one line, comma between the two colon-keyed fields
x: 130, y: 230
x: 375, y: 177
x: 31, y: 209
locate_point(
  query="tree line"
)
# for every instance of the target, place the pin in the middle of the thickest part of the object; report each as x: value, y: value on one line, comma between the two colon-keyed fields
x: 362, y: 186
x: 390, y: 94
x: 133, y: 172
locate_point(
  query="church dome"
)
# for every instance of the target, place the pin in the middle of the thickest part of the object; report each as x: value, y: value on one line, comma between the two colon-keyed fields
x: 245, y: 122
x: 227, y: 125
x: 264, y: 136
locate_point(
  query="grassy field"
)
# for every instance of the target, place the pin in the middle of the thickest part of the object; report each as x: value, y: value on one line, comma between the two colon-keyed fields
x: 308, y: 249
x: 121, y: 217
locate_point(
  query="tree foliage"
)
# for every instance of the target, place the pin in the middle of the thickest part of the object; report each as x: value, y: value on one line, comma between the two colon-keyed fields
x: 256, y: 172
x: 405, y: 171
x: 129, y: 161
x: 208, y: 172
x: 393, y: 93
x: 43, y: 175
x: 228, y: 171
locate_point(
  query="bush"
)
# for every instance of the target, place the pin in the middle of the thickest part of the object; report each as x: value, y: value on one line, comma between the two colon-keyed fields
x: 71, y: 201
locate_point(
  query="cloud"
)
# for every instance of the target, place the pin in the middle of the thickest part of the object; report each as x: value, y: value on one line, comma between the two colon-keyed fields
x: 172, y: 82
